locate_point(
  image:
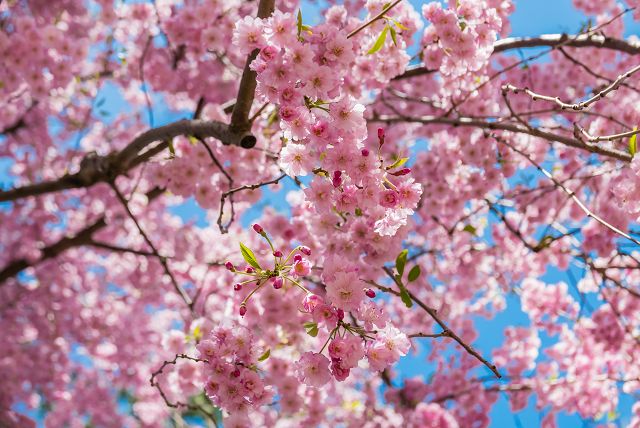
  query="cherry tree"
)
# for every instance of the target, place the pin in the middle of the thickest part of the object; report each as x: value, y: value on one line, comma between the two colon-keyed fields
x: 432, y: 174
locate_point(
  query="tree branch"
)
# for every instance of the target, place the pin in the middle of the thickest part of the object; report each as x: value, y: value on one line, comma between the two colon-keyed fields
x: 240, y: 116
x: 550, y: 40
x: 466, y: 121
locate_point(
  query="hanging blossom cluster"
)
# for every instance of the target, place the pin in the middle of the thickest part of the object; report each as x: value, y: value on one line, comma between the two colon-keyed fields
x: 347, y: 342
x: 307, y: 74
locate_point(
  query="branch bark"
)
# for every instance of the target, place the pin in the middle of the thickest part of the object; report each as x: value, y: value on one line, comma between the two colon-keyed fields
x: 550, y: 40
x: 549, y: 136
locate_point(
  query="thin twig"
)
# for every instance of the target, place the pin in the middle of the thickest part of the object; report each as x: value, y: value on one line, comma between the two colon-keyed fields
x: 374, y: 19
x: 163, y: 260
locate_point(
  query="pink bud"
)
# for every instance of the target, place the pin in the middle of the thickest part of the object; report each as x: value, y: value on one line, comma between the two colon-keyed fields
x: 337, y: 178
x: 305, y: 250
x: 370, y: 293
x: 403, y: 171
x: 229, y: 266
x: 249, y: 269
x: 277, y: 282
x: 380, y: 133
x: 243, y: 310
x: 258, y: 228
x: 235, y: 373
x: 297, y: 258
x: 365, y: 152
x: 237, y: 287
x: 277, y: 253
x: 340, y: 314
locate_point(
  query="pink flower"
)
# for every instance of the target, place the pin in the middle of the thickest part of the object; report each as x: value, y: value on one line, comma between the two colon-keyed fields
x: 348, y: 117
x: 248, y: 34
x: 345, y: 291
x: 302, y: 267
x: 296, y: 159
x: 313, y: 369
x: 324, y: 314
x: 310, y: 302
x: 389, y: 198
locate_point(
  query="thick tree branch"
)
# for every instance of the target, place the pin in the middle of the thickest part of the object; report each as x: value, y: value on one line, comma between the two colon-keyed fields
x: 240, y: 115
x: 96, y: 169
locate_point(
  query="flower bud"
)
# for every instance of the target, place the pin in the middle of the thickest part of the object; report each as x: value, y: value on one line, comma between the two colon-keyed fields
x: 365, y: 152
x: 340, y: 314
x: 237, y: 287
x: 243, y: 310
x: 277, y: 282
x: 249, y: 269
x: 370, y: 293
x: 297, y: 258
x: 337, y: 178
x: 258, y: 229
x: 277, y: 253
x: 403, y: 171
x: 381, y: 133
x: 305, y: 250
x: 235, y: 373
x: 229, y: 266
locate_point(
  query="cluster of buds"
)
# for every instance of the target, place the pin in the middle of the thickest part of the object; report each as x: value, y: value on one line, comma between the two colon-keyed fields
x: 284, y: 270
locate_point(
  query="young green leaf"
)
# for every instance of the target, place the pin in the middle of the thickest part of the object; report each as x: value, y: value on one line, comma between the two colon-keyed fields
x: 172, y: 149
x: 379, y: 43
x: 401, y: 260
x: 399, y: 162
x: 633, y: 145
x: 406, y: 298
x: 249, y: 257
x: 470, y: 228
x: 299, y: 22
x: 265, y: 355
x: 414, y: 273
x: 393, y: 35
x: 399, y: 25
x: 311, y: 328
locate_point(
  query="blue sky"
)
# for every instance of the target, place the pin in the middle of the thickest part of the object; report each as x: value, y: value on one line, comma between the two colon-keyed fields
x: 531, y: 17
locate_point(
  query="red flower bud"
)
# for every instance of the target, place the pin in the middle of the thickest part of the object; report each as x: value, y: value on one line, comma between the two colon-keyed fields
x: 297, y: 258
x: 365, y: 152
x: 243, y: 310
x: 277, y: 253
x: 370, y: 293
x: 381, y: 133
x: 229, y: 266
x: 237, y: 287
x: 305, y: 250
x: 235, y: 373
x: 340, y: 314
x: 277, y: 282
x: 403, y: 171
x: 258, y: 228
x: 249, y: 269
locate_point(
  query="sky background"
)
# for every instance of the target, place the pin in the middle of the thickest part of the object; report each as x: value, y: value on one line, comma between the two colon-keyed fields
x: 532, y: 17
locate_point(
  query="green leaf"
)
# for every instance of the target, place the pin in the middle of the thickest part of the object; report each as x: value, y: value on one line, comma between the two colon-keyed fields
x: 406, y: 299
x: 393, y: 36
x: 399, y: 162
x: 399, y: 25
x: 633, y: 145
x: 299, y: 22
x: 265, y: 355
x: 401, y: 260
x: 249, y: 257
x: 379, y: 41
x: 311, y: 328
x: 470, y: 228
x: 172, y: 149
x: 414, y: 273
